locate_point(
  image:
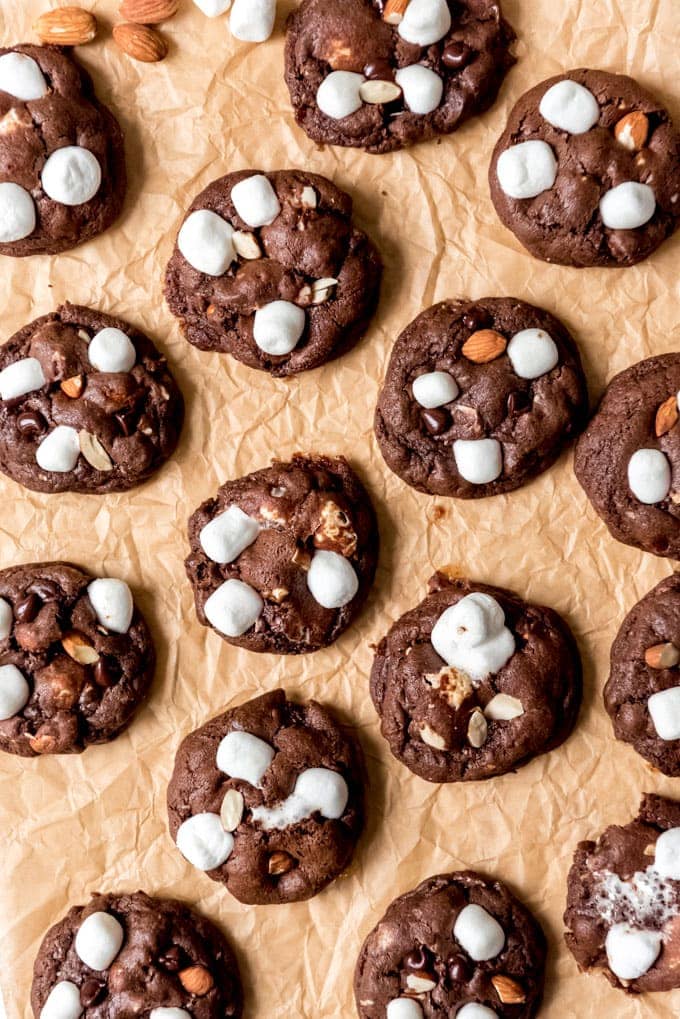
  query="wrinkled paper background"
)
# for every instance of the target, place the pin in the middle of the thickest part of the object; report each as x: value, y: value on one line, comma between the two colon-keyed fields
x: 71, y: 825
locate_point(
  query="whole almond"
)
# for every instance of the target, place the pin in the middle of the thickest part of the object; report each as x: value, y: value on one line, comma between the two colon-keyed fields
x: 94, y: 452
x: 73, y: 387
x: 246, y: 245
x: 508, y: 990
x: 394, y: 10
x: 662, y: 656
x: 280, y: 863
x: 148, y: 12
x: 666, y: 416
x: 632, y: 130
x: 79, y: 649
x: 140, y: 42
x: 483, y: 346
x: 231, y: 810
x: 196, y: 980
x: 66, y: 26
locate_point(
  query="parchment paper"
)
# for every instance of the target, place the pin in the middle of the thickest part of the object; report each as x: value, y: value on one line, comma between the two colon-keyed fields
x: 71, y: 825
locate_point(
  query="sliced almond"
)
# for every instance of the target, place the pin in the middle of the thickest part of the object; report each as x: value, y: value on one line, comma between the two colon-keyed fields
x: 503, y: 707
x: 309, y: 197
x: 73, y: 387
x: 666, y: 416
x: 432, y: 738
x: 231, y: 810
x: 322, y: 289
x: 632, y: 131
x: 662, y: 656
x: 94, y: 452
x: 79, y: 649
x: 508, y: 990
x: 246, y: 245
x: 420, y: 983
x: 483, y: 346
x: 477, y: 730
x: 394, y: 10
x: 375, y: 91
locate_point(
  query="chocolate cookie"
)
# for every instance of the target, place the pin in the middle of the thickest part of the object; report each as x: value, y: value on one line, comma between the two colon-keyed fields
x: 76, y: 659
x: 268, y: 799
x: 628, y: 458
x: 382, y: 74
x: 124, y: 955
x: 474, y: 682
x: 587, y: 171
x: 87, y: 404
x: 623, y: 900
x: 282, y: 560
x: 62, y: 165
x: 271, y: 269
x: 479, y: 397
x: 458, y: 944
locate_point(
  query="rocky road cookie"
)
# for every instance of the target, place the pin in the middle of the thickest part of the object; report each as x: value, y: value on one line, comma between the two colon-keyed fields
x: 124, y: 955
x: 458, y: 945
x: 76, y: 659
x: 282, y: 560
x: 87, y: 404
x: 62, y: 165
x: 474, y: 682
x: 268, y: 799
x: 271, y: 269
x: 587, y: 171
x: 479, y: 397
x: 382, y: 74
x: 623, y: 900
x: 628, y: 458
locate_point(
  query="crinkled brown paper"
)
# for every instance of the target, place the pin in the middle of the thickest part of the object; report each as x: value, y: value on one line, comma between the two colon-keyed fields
x: 71, y: 825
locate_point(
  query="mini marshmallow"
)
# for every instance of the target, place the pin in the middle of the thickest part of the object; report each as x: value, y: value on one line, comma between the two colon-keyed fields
x: 434, y: 389
x: 649, y: 475
x: 278, y: 326
x: 472, y: 636
x: 252, y: 20
x: 404, y: 1008
x: 479, y: 461
x: 255, y: 200
x: 422, y: 88
x: 667, y: 854
x: 205, y: 240
x: 17, y: 213
x: 111, y: 350
x: 233, y: 608
x: 59, y: 450
x: 664, y: 708
x: 425, y: 22
x: 228, y: 534
x: 532, y: 353
x: 631, y: 952
x: 164, y: 1012
x: 14, y: 691
x: 478, y: 933
x: 316, y: 790
x: 242, y: 755
x: 527, y: 169
x: 21, y: 377
x: 202, y: 841
x: 212, y: 9
x: 21, y: 77
x: 99, y: 940
x: 63, y: 1002
x: 627, y: 206
x: 6, y: 619
x: 570, y: 107
x: 475, y: 1011
x: 71, y: 175
x: 338, y: 94
x: 112, y: 602
x: 332, y: 580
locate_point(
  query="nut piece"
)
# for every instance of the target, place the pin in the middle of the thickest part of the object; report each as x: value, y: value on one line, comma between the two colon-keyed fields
x: 394, y: 10
x: 280, y: 863
x: 477, y: 729
x: 432, y: 738
x: 335, y: 532
x: 662, y: 656
x: 302, y: 559
x: 420, y: 983
x: 278, y: 595
x: 375, y: 91
x: 66, y: 26
x: 43, y: 743
x: 245, y: 245
x: 503, y: 707
x: 196, y: 980
x: 148, y: 12
x: 666, y: 416
x: 322, y: 289
x: 73, y: 387
x: 231, y: 810
x: 78, y: 648
x: 140, y: 42
x: 483, y: 346
x: 632, y: 130
x: 454, y: 684
x: 94, y: 452
x: 508, y: 990
x: 309, y: 198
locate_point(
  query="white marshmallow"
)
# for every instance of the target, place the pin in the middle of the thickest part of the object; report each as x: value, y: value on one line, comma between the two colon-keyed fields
x: 202, y: 841
x: 59, y: 450
x: 532, y: 353
x: 631, y: 952
x: 228, y: 534
x: 316, y: 790
x: 434, y: 389
x: 6, y: 619
x: 422, y: 88
x: 71, y: 175
x: 472, y: 636
x: 425, y: 22
x: 213, y: 9
x: 242, y: 755
x: 99, y: 940
x: 627, y: 206
x: 164, y: 1012
x: 278, y: 326
x: 664, y: 708
x: 338, y: 94
x: 570, y: 107
x: 478, y: 933
x: 475, y: 1011
x: 649, y: 475
x: 63, y: 1002
x: 17, y: 213
x: 21, y: 77
x: 527, y: 169
x: 205, y: 240
x: 112, y: 603
x: 255, y: 200
x: 14, y: 691
x: 21, y: 377
x: 404, y: 1008
x: 332, y: 580
x: 233, y: 608
x: 111, y: 350
x: 667, y: 854
x: 479, y: 461
x: 252, y: 20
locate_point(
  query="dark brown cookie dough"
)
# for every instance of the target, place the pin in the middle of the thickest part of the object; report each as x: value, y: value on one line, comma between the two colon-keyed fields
x: 84, y: 670
x: 552, y: 198
x: 64, y: 113
x: 623, y: 900
x: 268, y: 799
x: 122, y: 417
x: 637, y: 414
x: 159, y: 954
x: 466, y: 57
x: 293, y: 533
x: 490, y: 705
x: 457, y: 945
x: 499, y: 370
x: 309, y: 263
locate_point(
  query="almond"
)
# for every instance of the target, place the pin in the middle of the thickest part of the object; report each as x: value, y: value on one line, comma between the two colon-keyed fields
x: 66, y: 26
x: 148, y: 12
x: 632, y: 130
x: 140, y: 42
x: 280, y: 863
x: 420, y: 983
x: 432, y: 738
x: 394, y: 10
x: 666, y: 416
x: 94, y: 452
x: 302, y: 558
x: 245, y: 245
x: 483, y: 346
x: 375, y: 91
x: 508, y: 990
x: 477, y: 730
x: 78, y: 648
x: 322, y: 289
x: 231, y: 810
x: 309, y: 198
x: 42, y: 744
x: 662, y: 656
x: 503, y: 707
x: 73, y: 387
x: 196, y: 980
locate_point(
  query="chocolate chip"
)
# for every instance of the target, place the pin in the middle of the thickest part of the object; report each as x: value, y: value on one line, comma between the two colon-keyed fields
x: 476, y: 318
x: 458, y: 969
x: 103, y: 673
x: 91, y: 992
x: 172, y: 959
x: 28, y: 608
x: 418, y: 959
x: 456, y: 55
x: 46, y: 590
x: 517, y: 402
x: 125, y: 423
x: 380, y: 70
x: 31, y: 422
x: 436, y: 421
